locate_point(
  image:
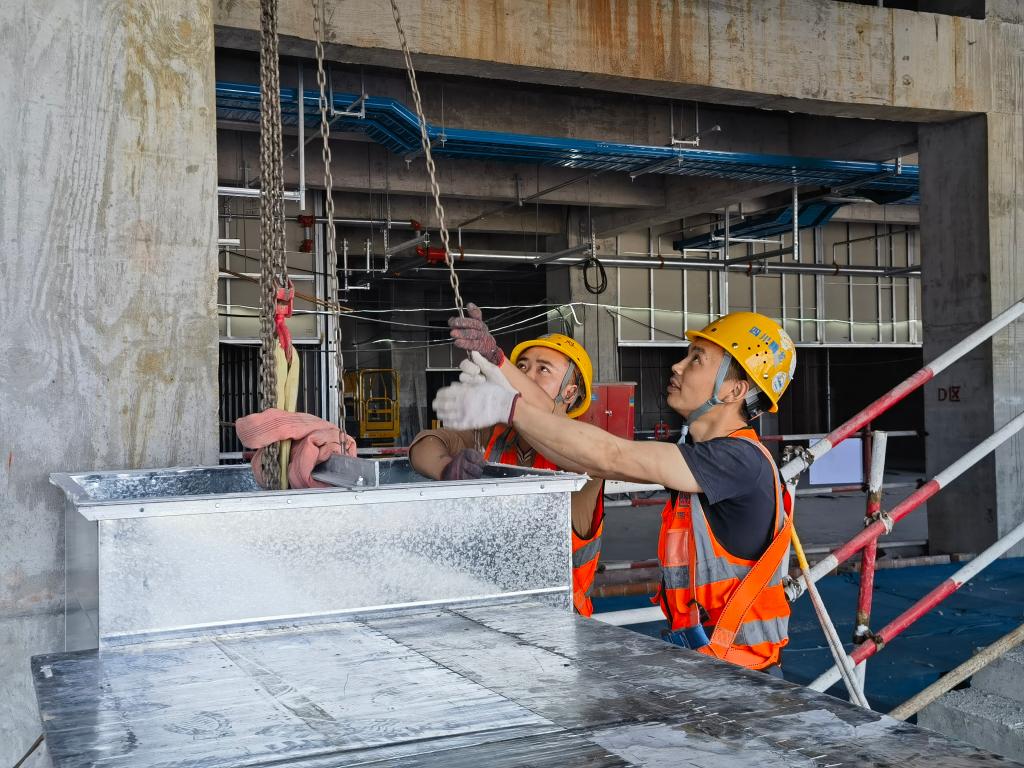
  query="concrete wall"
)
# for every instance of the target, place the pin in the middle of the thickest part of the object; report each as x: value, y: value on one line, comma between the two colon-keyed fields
x: 800, y: 55
x: 972, y: 225
x: 107, y: 297
x: 974, y: 271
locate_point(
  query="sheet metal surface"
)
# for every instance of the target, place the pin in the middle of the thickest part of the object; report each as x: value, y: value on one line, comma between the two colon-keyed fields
x: 497, y: 685
x: 165, y: 550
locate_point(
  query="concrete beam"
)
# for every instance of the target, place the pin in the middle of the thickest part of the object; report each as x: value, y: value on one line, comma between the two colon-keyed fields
x: 800, y: 55
x: 364, y: 167
x: 525, y: 108
x: 684, y: 197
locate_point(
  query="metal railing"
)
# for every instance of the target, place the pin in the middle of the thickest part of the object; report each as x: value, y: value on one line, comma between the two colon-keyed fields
x: 850, y: 667
x: 879, y: 522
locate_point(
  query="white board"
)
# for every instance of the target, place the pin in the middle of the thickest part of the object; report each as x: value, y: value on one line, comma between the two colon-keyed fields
x: 843, y: 465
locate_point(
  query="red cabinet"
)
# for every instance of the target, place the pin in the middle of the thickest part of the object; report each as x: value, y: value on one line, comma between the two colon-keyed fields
x: 611, y: 408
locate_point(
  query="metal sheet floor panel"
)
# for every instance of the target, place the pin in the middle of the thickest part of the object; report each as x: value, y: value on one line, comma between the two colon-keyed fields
x: 503, y: 685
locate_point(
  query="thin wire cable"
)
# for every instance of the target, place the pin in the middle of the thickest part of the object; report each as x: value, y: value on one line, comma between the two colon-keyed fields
x: 331, y: 234
x: 453, y: 278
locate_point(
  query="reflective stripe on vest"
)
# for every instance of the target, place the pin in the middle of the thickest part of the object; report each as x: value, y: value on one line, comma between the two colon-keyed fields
x: 585, y: 552
x: 695, y: 566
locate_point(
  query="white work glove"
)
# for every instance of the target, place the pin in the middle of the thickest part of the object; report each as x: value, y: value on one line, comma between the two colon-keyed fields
x: 477, y: 369
x: 481, y: 398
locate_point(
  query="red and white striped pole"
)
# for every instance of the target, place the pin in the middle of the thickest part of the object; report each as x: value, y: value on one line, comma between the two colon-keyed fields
x: 924, y: 605
x: 876, y: 465
x: 913, y: 501
x: 900, y: 391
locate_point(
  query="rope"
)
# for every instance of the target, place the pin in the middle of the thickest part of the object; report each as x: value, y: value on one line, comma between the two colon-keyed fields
x: 883, y: 516
x: 33, y: 748
x: 453, y: 278
x: 272, y: 258
x: 332, y: 245
x: 602, y: 277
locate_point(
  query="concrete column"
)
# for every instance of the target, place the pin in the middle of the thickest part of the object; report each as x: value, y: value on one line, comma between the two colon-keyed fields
x: 972, y: 220
x: 108, y: 357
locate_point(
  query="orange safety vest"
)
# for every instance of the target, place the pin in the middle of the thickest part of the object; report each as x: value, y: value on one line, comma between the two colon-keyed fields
x: 744, y: 600
x: 585, y: 552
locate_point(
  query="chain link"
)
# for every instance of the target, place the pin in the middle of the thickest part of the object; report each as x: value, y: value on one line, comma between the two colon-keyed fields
x: 331, y: 234
x: 273, y: 267
x: 453, y: 278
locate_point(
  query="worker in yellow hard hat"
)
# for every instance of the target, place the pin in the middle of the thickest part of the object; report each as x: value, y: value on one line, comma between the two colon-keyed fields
x: 723, y: 546
x: 554, y: 373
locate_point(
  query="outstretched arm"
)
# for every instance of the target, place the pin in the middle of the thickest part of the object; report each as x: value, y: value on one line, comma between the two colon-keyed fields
x: 472, y: 334
x: 483, y: 396
x: 599, y: 453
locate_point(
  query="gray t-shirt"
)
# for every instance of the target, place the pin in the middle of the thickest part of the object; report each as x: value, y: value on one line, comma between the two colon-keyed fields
x: 738, y: 493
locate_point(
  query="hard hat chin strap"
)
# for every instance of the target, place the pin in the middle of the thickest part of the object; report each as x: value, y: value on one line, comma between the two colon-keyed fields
x: 560, y: 397
x: 723, y: 371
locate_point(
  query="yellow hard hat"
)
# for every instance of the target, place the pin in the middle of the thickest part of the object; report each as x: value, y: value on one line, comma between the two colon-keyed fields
x: 571, y: 349
x: 761, y: 347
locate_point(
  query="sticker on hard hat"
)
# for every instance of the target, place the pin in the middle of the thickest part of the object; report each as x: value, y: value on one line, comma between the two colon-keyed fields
x: 779, y: 383
x: 778, y: 351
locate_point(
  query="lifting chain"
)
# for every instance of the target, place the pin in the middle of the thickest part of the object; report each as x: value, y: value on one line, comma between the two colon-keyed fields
x: 453, y: 278
x: 331, y: 234
x: 273, y: 269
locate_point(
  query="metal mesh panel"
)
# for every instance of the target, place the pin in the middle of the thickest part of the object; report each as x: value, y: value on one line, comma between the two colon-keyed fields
x: 239, y: 387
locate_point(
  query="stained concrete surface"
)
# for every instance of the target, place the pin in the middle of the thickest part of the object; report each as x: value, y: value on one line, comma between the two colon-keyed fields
x: 22, y: 637
x: 979, y: 718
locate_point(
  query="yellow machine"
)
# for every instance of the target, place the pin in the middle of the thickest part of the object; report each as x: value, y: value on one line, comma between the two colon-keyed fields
x: 371, y: 396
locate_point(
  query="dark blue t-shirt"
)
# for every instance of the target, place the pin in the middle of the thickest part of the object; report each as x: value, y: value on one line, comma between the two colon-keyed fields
x: 738, y: 493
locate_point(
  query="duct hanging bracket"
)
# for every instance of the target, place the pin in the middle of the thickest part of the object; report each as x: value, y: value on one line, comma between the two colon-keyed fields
x: 438, y: 140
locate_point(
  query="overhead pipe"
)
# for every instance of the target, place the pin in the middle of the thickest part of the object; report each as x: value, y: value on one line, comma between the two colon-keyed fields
x: 402, y: 247
x: 302, y: 143
x: 294, y: 197
x: 400, y: 223
x: 796, y: 223
x: 695, y: 264
x: 550, y: 257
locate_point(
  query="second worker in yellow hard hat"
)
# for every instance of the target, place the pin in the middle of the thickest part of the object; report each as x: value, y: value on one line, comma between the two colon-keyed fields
x: 724, y: 539
x: 554, y: 373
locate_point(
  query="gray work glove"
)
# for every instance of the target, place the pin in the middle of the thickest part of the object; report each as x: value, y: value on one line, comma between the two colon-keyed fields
x: 471, y: 334
x: 467, y: 464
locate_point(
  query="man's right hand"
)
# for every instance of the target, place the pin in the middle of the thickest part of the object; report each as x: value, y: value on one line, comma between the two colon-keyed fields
x: 471, y: 334
x: 467, y: 464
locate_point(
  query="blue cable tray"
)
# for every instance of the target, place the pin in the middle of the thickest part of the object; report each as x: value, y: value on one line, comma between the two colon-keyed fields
x: 390, y: 123
x: 812, y: 214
